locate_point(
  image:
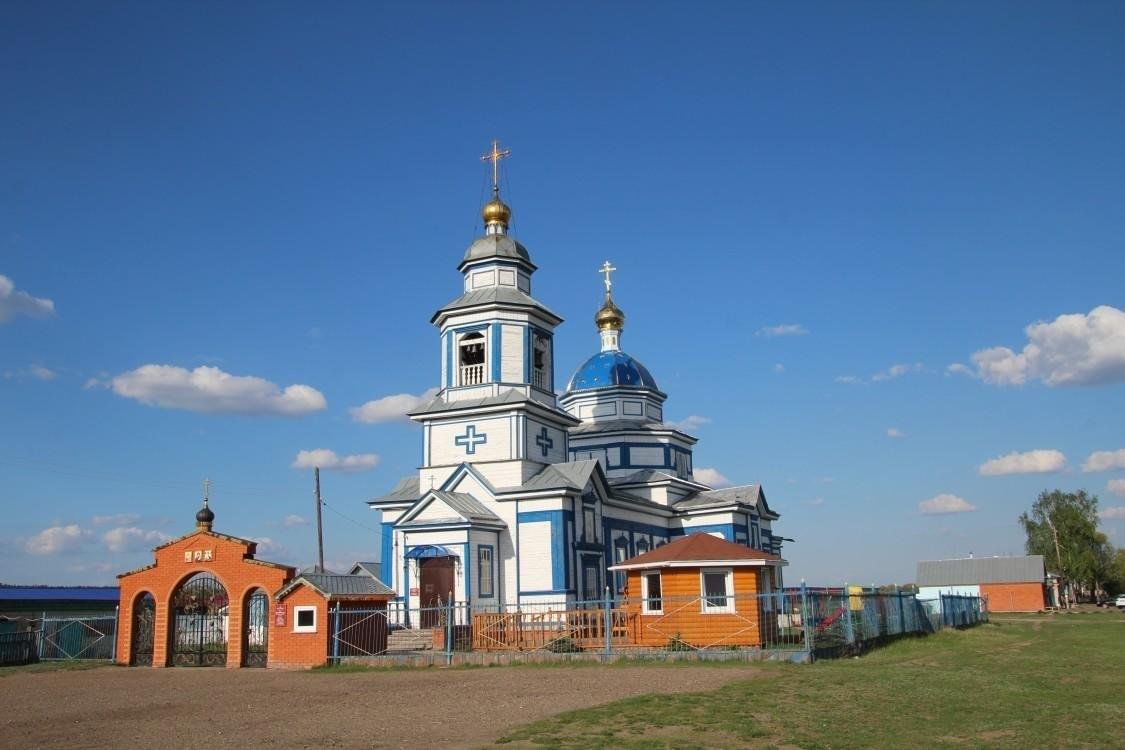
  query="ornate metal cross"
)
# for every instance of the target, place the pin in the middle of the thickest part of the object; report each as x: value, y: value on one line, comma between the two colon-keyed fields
x: 494, y: 156
x: 607, y: 269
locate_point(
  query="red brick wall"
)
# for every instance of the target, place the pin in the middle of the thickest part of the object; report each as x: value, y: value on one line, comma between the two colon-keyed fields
x: 288, y: 650
x: 240, y: 577
x: 1014, y: 597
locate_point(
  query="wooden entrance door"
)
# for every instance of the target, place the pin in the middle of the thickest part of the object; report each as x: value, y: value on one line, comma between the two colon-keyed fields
x: 437, y: 579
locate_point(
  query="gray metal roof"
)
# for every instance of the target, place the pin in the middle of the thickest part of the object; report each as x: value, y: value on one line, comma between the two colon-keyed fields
x: 503, y: 295
x: 744, y: 495
x: 973, y: 570
x: 467, y: 505
x: 406, y: 491
x: 335, y: 584
x: 496, y: 246
x: 372, y: 569
x: 509, y: 396
x: 572, y: 475
x: 618, y: 425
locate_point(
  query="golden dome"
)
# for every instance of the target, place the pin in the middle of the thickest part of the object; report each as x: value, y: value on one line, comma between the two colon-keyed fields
x: 609, y: 317
x: 496, y: 212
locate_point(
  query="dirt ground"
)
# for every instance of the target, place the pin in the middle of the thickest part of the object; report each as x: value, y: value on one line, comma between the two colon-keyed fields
x: 205, y: 708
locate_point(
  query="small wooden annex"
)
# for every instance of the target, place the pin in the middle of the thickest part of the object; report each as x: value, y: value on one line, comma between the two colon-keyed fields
x: 699, y: 591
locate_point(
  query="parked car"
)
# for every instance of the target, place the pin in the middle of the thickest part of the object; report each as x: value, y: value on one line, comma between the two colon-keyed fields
x: 1120, y: 603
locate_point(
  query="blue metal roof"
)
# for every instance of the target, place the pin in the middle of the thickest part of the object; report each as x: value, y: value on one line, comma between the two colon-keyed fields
x: 610, y: 369
x: 57, y: 593
x: 428, y: 550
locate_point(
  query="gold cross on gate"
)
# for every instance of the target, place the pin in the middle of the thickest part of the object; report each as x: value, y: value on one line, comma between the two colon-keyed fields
x: 607, y: 269
x: 494, y: 156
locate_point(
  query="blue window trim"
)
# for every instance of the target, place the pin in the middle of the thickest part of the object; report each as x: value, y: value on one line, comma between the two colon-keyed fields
x: 495, y: 335
x: 491, y: 569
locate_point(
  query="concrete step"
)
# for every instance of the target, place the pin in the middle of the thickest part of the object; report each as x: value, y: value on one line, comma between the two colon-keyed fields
x: 410, y: 640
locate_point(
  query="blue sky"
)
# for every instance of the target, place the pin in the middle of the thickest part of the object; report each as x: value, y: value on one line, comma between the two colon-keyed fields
x: 815, y: 213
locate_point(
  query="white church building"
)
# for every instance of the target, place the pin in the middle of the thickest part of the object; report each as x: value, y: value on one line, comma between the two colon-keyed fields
x: 527, y: 497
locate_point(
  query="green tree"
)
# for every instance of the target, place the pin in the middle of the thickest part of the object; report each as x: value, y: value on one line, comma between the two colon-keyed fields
x: 1063, y: 527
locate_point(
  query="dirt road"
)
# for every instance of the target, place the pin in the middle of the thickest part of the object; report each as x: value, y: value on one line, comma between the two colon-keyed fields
x: 213, y: 708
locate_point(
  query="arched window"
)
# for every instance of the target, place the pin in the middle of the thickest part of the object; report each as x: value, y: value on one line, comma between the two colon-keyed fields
x: 642, y: 546
x: 471, y: 362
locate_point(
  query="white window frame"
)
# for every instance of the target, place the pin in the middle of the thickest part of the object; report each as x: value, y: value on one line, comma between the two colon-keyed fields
x: 646, y: 603
x: 487, y: 346
x: 728, y: 583
x: 297, y: 610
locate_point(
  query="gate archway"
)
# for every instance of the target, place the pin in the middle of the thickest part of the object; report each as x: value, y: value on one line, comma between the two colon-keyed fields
x: 256, y: 627
x: 200, y: 622
x: 144, y: 631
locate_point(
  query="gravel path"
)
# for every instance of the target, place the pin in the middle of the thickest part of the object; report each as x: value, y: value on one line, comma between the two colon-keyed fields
x: 207, y: 708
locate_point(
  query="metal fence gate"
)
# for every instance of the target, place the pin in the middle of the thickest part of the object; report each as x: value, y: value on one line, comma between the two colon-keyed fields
x: 256, y: 620
x: 144, y: 631
x: 67, y: 638
x: 200, y: 622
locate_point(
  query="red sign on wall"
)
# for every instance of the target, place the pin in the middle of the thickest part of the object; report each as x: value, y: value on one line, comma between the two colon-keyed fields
x: 414, y: 592
x: 279, y: 615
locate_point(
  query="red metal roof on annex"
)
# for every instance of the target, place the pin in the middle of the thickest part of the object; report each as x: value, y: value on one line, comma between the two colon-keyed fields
x: 700, y: 549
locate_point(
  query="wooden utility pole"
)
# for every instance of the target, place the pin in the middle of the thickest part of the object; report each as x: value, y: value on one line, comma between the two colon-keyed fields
x: 319, y: 526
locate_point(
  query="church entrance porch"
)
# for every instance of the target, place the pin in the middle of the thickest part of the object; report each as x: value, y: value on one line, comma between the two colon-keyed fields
x: 436, y: 577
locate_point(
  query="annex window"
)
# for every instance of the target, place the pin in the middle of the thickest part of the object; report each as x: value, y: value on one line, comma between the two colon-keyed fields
x: 651, y: 601
x: 471, y: 359
x: 642, y: 545
x: 485, y: 576
x: 541, y: 361
x: 715, y: 590
x: 304, y: 619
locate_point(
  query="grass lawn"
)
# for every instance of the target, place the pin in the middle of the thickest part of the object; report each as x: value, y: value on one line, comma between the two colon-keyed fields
x: 1022, y: 681
x: 56, y: 666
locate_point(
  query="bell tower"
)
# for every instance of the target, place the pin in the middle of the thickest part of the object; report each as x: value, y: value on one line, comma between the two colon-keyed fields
x: 497, y: 400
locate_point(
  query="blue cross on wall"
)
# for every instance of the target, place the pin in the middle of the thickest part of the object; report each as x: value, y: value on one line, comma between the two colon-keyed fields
x: 544, y: 441
x: 471, y: 439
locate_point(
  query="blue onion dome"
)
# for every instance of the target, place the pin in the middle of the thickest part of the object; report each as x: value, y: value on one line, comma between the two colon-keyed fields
x: 610, y: 369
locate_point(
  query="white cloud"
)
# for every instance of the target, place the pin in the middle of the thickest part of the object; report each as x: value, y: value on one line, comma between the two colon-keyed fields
x: 121, y: 519
x: 57, y: 539
x: 212, y: 391
x: 779, y: 368
x: 294, y: 520
x: 690, y: 423
x: 891, y: 373
x: 894, y: 432
x: 1105, y: 460
x: 14, y: 302
x: 1030, y: 462
x: 391, y: 408
x: 1116, y: 486
x: 785, y: 329
x: 39, y: 372
x: 329, y: 461
x: 125, y: 538
x: 1116, y: 512
x: 269, y: 548
x: 945, y: 503
x: 896, y: 371
x: 816, y: 501
x: 710, y: 477
x: 958, y: 368
x: 1074, y: 349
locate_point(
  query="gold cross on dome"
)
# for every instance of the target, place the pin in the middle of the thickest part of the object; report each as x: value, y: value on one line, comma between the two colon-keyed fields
x: 494, y: 156
x: 607, y: 269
